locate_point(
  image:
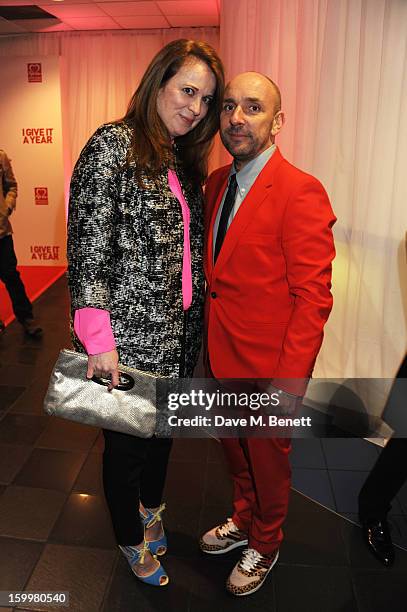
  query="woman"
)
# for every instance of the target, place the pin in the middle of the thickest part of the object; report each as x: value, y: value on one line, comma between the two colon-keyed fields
x: 135, y: 266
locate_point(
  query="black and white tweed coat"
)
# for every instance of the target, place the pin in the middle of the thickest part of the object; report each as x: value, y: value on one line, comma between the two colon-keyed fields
x: 125, y: 250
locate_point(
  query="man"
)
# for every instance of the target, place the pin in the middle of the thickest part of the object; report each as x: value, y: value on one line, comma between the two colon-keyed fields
x: 268, y: 270
x: 8, y: 263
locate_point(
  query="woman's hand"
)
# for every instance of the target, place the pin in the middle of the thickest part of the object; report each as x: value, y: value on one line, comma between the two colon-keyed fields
x: 104, y: 365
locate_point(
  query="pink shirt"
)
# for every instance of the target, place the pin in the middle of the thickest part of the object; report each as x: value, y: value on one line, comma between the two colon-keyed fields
x: 92, y: 325
x: 176, y: 189
x: 93, y: 328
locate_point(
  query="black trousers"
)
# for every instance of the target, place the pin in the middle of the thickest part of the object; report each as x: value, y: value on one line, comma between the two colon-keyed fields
x: 134, y: 470
x: 387, y: 476
x: 384, y: 481
x: 22, y: 307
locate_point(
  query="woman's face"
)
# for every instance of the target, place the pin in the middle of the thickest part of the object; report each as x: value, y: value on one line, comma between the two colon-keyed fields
x: 184, y: 99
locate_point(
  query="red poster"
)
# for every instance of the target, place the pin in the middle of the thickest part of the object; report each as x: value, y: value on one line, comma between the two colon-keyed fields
x: 34, y: 72
x: 41, y: 196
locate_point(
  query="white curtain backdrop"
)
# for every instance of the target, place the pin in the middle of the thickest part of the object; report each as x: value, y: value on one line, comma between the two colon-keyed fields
x: 100, y: 71
x: 342, y: 69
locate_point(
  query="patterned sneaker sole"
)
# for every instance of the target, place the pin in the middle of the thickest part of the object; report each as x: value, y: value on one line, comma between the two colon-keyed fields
x: 248, y: 590
x: 215, y: 549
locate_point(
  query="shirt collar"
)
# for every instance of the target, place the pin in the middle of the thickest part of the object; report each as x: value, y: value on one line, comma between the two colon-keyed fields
x: 247, y: 175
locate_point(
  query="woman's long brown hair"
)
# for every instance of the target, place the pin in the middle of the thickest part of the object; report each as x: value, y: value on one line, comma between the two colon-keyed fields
x: 151, y: 147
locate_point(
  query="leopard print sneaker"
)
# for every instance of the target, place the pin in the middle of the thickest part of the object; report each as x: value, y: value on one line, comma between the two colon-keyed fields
x: 223, y: 538
x: 250, y: 572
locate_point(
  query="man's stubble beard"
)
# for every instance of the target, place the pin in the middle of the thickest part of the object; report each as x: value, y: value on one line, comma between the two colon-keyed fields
x: 245, y: 155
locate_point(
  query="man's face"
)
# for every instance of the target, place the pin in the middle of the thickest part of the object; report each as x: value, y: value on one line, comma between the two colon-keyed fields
x: 250, y: 118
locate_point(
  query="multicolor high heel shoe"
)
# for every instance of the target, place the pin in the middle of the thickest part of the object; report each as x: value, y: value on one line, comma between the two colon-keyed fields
x: 135, y: 555
x: 157, y: 547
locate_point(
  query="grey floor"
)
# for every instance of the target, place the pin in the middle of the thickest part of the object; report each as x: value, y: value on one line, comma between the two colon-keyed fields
x: 55, y: 532
x: 331, y: 471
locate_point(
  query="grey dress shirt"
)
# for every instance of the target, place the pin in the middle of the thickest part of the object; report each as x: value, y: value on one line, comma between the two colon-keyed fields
x: 245, y: 179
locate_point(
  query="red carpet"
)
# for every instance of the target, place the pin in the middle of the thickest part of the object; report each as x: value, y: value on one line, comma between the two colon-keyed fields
x: 36, y: 280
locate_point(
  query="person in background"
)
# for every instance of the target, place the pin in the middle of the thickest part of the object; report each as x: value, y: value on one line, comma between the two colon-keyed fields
x: 268, y: 270
x: 9, y: 275
x: 387, y: 476
x: 135, y: 241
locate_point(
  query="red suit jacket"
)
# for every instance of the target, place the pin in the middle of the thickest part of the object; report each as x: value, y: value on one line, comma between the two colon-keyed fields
x: 268, y: 295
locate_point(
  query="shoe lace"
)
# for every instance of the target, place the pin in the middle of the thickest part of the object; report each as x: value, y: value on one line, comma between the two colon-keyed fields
x: 228, y: 527
x: 250, y: 558
x: 136, y: 554
x: 143, y: 552
x: 155, y: 516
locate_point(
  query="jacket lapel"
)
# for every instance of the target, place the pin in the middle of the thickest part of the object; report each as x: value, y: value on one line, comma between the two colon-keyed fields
x: 247, y: 210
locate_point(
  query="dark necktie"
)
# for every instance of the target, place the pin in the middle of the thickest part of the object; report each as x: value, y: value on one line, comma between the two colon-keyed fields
x: 225, y: 214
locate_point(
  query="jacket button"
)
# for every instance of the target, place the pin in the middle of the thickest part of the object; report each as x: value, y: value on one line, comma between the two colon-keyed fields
x: 214, y: 294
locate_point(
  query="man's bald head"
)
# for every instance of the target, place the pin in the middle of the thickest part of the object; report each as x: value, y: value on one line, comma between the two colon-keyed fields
x: 251, y: 77
x: 251, y: 116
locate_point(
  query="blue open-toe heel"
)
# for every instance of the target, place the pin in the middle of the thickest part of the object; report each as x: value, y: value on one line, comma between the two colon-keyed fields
x: 135, y: 555
x: 149, y: 518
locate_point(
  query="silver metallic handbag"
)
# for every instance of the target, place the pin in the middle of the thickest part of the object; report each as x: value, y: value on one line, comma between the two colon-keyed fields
x: 129, y: 408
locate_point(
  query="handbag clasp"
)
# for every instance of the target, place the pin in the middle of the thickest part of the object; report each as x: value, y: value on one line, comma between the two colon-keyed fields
x: 126, y: 382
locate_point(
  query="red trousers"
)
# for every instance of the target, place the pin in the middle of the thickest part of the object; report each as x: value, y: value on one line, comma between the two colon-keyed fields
x: 261, y: 475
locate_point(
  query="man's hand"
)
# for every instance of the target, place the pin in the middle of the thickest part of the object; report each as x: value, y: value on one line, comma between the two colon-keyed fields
x: 288, y: 403
x: 104, y: 365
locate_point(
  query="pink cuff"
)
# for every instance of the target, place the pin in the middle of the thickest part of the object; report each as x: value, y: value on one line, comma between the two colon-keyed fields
x: 94, y: 330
